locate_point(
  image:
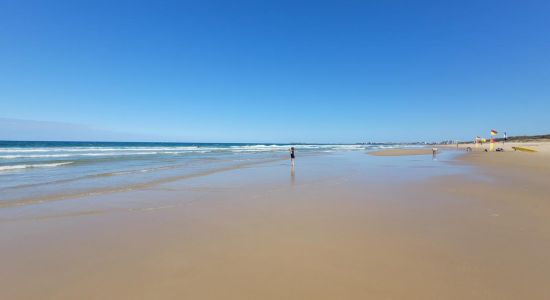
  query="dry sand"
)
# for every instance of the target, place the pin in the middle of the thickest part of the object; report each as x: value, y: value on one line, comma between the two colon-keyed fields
x: 364, y: 229
x: 541, y: 146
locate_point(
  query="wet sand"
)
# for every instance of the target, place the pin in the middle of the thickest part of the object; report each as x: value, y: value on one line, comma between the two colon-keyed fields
x: 342, y: 226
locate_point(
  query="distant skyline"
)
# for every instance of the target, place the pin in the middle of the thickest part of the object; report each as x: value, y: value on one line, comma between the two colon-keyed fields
x: 273, y: 71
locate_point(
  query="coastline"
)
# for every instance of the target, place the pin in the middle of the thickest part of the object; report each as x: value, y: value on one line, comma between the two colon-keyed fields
x: 342, y: 225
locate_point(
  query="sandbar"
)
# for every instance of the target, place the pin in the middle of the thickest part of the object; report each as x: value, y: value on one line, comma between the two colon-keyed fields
x: 401, y: 152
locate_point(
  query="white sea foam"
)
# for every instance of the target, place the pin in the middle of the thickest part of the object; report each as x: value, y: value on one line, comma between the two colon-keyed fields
x: 18, y: 167
x: 64, y: 152
x: 96, y: 149
x: 77, y: 154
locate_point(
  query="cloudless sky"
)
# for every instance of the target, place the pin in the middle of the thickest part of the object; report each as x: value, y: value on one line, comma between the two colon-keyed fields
x: 278, y: 71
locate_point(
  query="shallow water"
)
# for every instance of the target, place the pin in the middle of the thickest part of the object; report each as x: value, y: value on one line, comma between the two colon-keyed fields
x: 33, y: 172
x: 161, y: 187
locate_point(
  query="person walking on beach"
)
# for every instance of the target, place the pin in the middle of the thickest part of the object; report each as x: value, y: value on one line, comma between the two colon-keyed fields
x: 291, y: 150
x: 434, y: 151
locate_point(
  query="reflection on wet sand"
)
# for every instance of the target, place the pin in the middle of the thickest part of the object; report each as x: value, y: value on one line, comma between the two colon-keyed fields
x: 292, y: 175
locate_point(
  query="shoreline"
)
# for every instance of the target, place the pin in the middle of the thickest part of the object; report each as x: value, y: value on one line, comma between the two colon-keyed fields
x: 129, y: 187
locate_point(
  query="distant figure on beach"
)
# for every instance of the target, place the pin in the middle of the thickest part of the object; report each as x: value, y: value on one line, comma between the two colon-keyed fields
x: 434, y: 151
x: 292, y: 156
x: 505, y: 138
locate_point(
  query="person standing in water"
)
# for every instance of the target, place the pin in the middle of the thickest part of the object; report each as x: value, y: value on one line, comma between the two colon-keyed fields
x: 434, y: 152
x: 291, y: 150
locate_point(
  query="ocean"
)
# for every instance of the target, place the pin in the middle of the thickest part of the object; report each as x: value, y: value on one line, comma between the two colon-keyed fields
x: 32, y: 172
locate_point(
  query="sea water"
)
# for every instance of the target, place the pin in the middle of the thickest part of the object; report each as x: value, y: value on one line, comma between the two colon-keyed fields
x: 32, y: 172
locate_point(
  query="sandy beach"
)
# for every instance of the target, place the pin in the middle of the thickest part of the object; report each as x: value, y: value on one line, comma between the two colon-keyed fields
x: 401, y: 152
x: 344, y: 225
x: 541, y: 146
x: 268, y: 150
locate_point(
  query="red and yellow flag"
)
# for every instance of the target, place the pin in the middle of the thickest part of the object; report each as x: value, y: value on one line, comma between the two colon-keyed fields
x: 493, y: 132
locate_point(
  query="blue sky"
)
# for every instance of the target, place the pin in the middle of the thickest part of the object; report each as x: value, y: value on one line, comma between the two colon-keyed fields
x: 274, y: 71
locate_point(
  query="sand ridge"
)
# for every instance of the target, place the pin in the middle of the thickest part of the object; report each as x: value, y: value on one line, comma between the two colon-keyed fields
x: 401, y: 152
